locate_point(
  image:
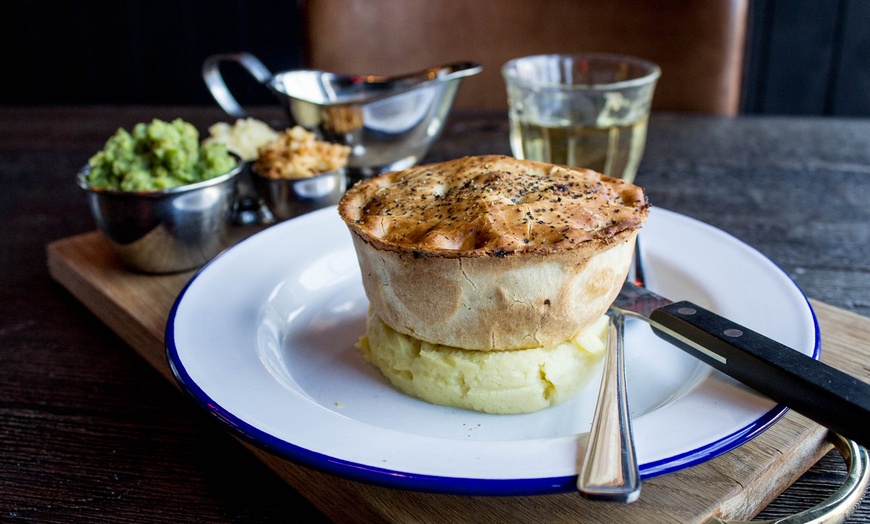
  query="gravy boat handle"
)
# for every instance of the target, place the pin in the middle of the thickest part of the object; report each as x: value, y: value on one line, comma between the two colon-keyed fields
x: 215, y: 82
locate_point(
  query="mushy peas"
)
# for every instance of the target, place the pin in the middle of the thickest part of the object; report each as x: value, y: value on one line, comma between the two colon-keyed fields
x: 155, y: 156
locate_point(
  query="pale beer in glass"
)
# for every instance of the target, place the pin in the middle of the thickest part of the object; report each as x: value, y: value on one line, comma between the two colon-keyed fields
x: 581, y: 110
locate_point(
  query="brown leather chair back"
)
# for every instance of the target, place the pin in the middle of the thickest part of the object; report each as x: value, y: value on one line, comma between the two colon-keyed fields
x: 699, y: 44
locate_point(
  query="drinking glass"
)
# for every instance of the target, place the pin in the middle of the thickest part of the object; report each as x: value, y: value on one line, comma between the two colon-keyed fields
x: 583, y: 110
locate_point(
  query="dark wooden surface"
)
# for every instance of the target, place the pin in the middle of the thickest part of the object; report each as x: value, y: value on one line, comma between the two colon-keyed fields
x: 91, y: 433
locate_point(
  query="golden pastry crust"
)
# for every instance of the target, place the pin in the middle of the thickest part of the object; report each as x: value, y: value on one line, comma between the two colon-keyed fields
x: 492, y: 205
x: 493, y: 252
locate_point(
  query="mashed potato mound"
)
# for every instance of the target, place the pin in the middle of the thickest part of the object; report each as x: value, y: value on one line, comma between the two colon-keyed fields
x: 502, y: 382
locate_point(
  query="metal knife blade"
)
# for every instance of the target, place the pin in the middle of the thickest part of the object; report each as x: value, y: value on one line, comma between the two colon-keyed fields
x: 818, y: 391
x: 637, y: 300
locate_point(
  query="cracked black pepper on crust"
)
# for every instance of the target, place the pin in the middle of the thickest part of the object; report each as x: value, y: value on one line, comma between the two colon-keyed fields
x: 493, y: 205
x: 492, y: 253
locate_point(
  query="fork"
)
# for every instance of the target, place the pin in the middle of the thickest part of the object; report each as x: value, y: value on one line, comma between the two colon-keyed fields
x: 609, y: 470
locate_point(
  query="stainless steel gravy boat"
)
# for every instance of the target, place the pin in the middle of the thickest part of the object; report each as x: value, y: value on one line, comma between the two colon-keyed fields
x: 389, y: 122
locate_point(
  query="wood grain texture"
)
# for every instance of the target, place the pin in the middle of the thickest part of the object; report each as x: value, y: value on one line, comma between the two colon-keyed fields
x: 735, y: 485
x: 90, y: 432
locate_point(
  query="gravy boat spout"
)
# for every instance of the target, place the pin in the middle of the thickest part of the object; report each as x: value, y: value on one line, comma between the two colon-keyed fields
x: 373, y: 86
x: 389, y: 122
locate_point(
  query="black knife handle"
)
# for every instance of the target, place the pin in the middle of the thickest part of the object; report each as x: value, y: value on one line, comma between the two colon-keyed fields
x: 826, y: 395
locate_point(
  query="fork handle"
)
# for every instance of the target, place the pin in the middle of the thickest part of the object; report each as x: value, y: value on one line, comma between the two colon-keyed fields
x: 814, y: 389
x: 609, y: 470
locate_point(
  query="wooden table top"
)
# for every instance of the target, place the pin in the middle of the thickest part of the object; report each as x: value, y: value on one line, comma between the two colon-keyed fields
x: 89, y: 432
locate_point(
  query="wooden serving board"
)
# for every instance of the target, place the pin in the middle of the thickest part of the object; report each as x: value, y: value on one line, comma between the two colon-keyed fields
x: 736, y: 485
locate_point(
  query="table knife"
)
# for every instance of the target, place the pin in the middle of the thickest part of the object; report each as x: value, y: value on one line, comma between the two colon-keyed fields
x: 814, y: 389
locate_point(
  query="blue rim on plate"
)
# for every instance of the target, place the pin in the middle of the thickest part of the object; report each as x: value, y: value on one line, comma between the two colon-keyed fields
x: 195, y: 373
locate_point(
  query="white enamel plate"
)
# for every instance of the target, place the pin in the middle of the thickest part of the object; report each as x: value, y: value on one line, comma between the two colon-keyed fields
x: 263, y: 338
